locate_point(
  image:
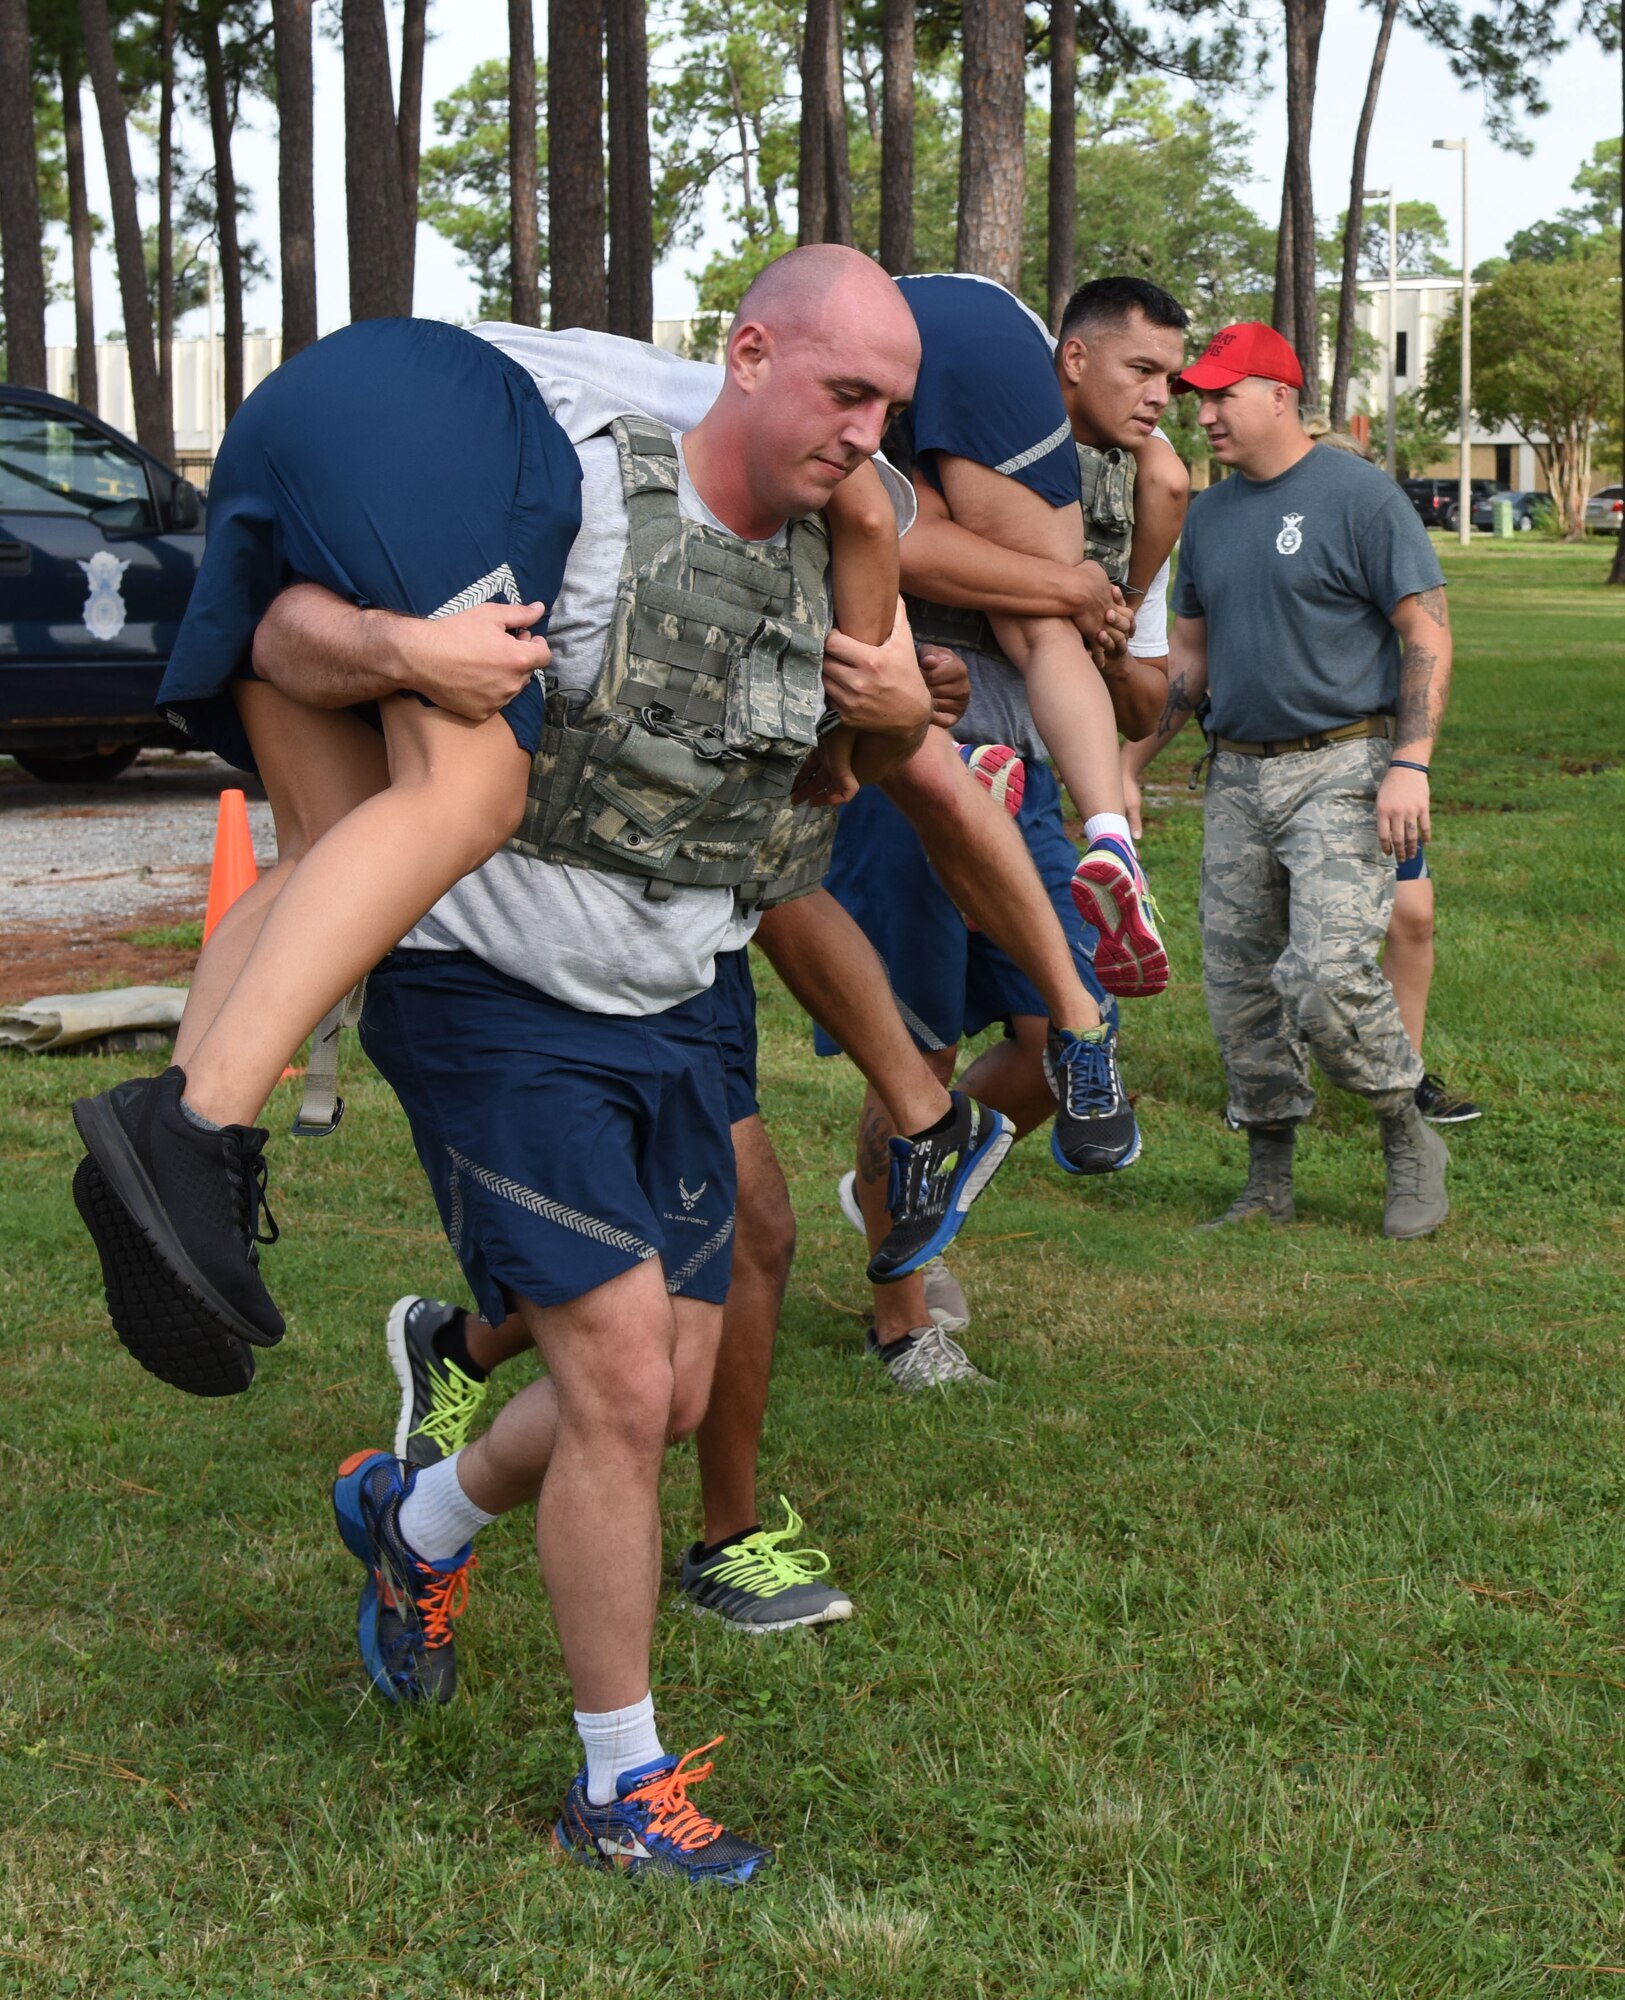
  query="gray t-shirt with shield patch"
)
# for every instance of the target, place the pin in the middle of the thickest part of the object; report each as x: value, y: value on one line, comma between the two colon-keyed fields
x: 1297, y: 577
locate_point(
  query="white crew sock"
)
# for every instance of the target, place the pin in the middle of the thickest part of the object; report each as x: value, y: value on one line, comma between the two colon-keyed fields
x: 437, y: 1516
x: 1100, y: 825
x: 618, y: 1740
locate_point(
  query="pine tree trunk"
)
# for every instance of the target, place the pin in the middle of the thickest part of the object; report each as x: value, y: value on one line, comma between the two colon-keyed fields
x: 166, y: 204
x: 524, y: 283
x: 837, y: 158
x: 296, y: 172
x: 380, y: 286
x: 1343, y: 361
x: 1616, y: 571
x: 22, y: 240
x: 1305, y: 19
x: 575, y: 162
x: 154, y: 420
x: 1063, y: 162
x: 409, y: 131
x: 992, y: 160
x: 897, y: 140
x: 1283, y: 304
x: 86, y: 388
x: 225, y: 204
x: 812, y: 168
x: 631, y: 197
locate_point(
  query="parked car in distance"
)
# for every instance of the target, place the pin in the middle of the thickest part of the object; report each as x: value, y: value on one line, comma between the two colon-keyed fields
x: 100, y: 544
x: 1435, y: 499
x: 1525, y: 506
x: 1606, y: 510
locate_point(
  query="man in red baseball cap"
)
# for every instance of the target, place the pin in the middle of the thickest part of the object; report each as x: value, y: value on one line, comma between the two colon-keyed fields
x: 1311, y: 611
x: 1247, y: 348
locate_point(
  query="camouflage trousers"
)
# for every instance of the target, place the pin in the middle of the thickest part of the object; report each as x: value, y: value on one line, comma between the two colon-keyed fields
x: 1296, y: 897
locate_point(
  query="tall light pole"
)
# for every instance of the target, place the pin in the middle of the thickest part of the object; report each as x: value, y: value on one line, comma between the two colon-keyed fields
x: 1390, y: 455
x: 1464, y: 493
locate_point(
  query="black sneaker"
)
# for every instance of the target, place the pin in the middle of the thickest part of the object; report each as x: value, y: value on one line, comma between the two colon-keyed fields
x: 933, y: 1182
x: 755, y: 1584
x: 1440, y: 1106
x: 169, y: 1331
x: 438, y: 1401
x: 195, y: 1196
x: 1095, y: 1131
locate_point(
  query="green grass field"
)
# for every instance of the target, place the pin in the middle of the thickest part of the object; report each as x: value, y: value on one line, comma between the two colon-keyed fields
x: 1262, y: 1633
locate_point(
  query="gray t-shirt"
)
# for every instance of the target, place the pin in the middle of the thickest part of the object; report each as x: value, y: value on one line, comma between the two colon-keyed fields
x: 586, y: 936
x: 1297, y: 577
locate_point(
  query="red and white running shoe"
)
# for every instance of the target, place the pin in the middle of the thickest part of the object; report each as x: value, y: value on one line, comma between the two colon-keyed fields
x: 1111, y: 892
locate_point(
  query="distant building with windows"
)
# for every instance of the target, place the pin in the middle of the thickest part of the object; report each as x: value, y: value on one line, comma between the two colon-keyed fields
x: 1421, y: 307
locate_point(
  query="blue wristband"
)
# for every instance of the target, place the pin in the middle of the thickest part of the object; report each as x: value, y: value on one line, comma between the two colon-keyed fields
x: 1405, y: 764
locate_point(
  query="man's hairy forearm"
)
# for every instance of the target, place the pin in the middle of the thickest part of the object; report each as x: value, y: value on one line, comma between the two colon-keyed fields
x: 1424, y: 672
x: 1138, y: 688
x: 949, y: 565
x: 1187, y: 683
x: 325, y: 652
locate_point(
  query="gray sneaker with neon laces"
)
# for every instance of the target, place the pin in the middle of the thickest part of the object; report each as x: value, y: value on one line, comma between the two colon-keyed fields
x: 756, y: 1584
x: 438, y: 1401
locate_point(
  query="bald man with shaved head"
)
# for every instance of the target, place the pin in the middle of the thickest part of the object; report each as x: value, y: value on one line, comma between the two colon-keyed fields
x: 557, y: 1027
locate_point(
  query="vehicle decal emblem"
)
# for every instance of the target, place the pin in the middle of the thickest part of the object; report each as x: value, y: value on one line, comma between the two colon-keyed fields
x: 104, y: 607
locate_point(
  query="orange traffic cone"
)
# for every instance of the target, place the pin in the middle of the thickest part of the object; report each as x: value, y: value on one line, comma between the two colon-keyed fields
x: 233, y: 869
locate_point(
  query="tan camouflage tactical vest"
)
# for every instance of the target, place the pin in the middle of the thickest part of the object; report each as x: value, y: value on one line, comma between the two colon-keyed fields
x: 1108, y: 533
x: 676, y: 763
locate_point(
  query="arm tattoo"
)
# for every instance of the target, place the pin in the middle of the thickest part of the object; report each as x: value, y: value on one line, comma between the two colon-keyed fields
x: 874, y: 1153
x: 1416, y: 671
x: 1432, y: 602
x: 1176, y: 707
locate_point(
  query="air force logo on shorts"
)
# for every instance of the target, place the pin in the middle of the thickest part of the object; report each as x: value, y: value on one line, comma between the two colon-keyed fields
x: 1290, y: 539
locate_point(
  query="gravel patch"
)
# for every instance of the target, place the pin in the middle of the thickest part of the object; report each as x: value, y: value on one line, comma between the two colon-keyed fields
x: 131, y: 852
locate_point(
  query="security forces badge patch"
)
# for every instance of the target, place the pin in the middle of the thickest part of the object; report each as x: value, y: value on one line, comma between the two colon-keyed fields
x: 1290, y: 539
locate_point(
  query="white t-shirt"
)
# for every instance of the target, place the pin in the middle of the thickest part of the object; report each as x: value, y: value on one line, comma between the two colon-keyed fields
x: 593, y: 939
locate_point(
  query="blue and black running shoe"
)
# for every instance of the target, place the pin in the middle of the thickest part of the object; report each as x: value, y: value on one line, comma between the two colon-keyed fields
x: 1095, y: 1130
x: 934, y: 1180
x: 652, y: 1827
x: 404, y: 1625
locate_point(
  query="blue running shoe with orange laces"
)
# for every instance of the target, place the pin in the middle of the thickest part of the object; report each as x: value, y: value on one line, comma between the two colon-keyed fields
x: 404, y: 1622
x: 1110, y: 891
x: 651, y: 1826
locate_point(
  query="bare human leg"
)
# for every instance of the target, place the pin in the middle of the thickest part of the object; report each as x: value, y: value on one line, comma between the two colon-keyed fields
x: 1408, y: 959
x: 455, y: 794
x: 983, y: 863
x: 316, y: 765
x: 836, y: 974
x: 1069, y: 700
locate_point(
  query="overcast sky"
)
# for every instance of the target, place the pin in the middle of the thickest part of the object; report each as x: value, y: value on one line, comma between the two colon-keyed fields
x: 1420, y: 102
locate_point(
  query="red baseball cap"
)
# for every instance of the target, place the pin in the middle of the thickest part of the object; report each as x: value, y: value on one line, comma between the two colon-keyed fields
x: 1247, y: 348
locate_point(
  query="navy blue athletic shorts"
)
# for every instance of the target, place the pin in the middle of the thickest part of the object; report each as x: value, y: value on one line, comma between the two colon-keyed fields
x: 562, y: 1147
x: 402, y: 463
x: 949, y: 981
x: 1416, y: 869
x: 735, y: 993
x: 987, y: 389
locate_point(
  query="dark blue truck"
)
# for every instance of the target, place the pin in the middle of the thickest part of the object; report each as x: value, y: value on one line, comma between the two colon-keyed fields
x: 99, y: 548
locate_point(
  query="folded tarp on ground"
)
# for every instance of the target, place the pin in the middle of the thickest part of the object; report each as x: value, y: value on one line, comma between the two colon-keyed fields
x: 138, y: 1016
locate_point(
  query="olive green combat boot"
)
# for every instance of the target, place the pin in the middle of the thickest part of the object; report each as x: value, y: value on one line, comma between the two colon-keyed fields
x: 1269, y: 1178
x: 1417, y: 1158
